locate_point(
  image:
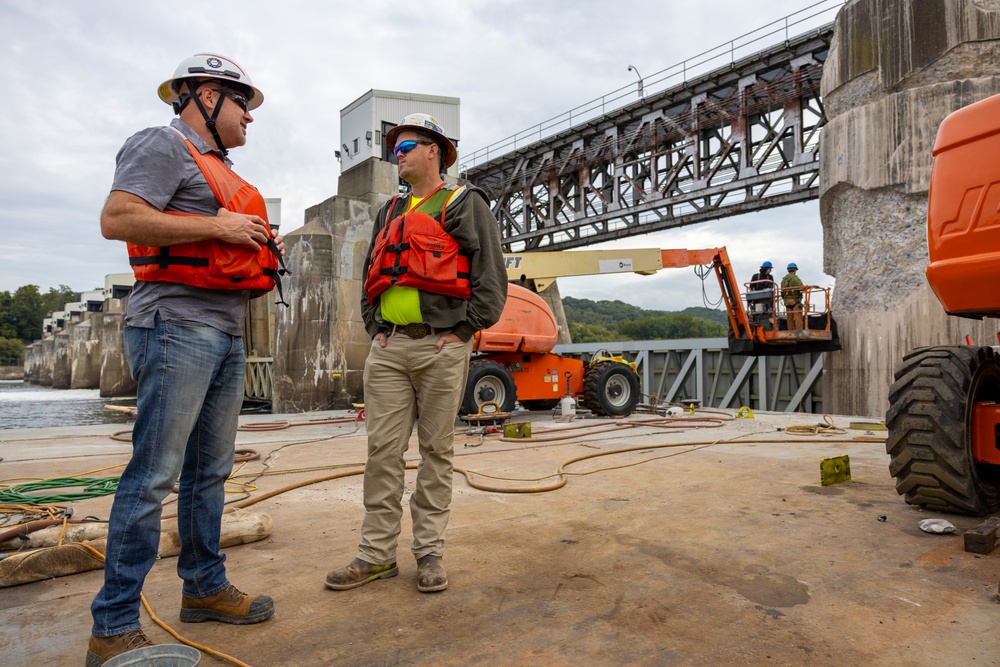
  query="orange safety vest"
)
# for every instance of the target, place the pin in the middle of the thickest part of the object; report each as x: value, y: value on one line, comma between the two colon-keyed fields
x: 414, y: 251
x: 215, y: 264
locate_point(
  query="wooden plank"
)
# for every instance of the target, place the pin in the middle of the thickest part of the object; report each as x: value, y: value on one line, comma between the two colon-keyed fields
x: 984, y: 538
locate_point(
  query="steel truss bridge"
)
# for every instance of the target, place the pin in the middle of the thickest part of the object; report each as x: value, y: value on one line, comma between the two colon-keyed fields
x: 741, y: 138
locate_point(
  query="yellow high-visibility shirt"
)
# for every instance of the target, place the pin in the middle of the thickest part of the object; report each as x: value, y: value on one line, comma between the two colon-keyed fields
x: 401, y: 305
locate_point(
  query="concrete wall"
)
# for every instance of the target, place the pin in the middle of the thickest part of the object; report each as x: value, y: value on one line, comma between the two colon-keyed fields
x: 321, y: 343
x: 896, y: 69
x: 85, y: 353
x: 115, y: 377
x: 61, y: 372
x: 45, y: 361
x: 32, y: 352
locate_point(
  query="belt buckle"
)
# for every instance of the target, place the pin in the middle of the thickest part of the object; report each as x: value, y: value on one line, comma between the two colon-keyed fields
x: 416, y: 330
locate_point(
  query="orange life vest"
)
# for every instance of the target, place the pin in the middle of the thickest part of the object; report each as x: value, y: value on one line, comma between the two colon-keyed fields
x: 215, y: 264
x: 413, y: 250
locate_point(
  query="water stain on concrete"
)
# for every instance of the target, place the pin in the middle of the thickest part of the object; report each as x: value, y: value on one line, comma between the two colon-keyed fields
x: 770, y: 589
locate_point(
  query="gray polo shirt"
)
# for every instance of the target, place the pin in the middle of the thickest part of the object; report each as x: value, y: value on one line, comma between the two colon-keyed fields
x: 155, y: 164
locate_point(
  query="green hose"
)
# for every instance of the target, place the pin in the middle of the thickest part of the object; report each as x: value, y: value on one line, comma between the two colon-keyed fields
x: 92, y: 488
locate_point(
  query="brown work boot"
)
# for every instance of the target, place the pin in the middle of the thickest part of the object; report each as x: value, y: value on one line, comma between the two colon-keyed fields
x: 431, y: 576
x: 105, y: 648
x: 358, y: 573
x: 228, y: 606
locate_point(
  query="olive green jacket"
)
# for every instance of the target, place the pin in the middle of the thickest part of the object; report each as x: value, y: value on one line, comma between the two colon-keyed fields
x: 790, y: 281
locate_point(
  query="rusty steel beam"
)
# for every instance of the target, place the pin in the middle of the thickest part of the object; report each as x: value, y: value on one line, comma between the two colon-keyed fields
x: 739, y: 139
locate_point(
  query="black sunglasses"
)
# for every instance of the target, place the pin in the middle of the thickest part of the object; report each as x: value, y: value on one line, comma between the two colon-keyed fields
x: 235, y: 97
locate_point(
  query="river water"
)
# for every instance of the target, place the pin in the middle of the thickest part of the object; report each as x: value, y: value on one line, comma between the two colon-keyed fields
x: 24, y: 405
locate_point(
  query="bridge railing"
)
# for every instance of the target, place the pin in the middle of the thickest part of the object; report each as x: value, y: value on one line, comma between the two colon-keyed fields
x: 728, y: 52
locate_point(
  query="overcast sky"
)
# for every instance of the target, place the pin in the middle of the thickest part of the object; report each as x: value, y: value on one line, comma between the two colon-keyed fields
x: 79, y: 77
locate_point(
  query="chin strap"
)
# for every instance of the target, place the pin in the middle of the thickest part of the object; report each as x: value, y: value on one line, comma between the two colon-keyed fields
x: 209, y: 120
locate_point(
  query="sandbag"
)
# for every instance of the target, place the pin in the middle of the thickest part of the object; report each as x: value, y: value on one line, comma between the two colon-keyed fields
x: 22, y: 568
x: 49, y: 537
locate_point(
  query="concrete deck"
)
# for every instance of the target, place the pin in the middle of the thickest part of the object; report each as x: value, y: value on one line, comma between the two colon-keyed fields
x: 732, y: 554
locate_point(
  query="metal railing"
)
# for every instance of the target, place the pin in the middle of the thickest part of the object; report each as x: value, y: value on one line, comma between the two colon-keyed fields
x: 702, y: 370
x: 257, y: 383
x: 713, y: 58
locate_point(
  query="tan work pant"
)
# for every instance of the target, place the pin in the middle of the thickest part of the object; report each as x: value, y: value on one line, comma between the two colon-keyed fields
x: 402, y: 380
x: 795, y: 314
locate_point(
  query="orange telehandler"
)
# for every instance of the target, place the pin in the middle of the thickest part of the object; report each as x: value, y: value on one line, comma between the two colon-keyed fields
x: 944, y: 406
x: 514, y: 359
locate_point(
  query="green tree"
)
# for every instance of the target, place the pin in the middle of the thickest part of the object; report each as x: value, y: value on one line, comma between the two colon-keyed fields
x: 591, y: 333
x: 27, y: 310
x: 709, y: 314
x: 671, y: 327
x: 7, y: 329
x: 11, y: 352
x: 605, y: 313
x: 21, y: 313
x: 607, y: 321
x: 55, y: 299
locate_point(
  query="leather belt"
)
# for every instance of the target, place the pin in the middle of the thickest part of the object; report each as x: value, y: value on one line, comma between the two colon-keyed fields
x: 416, y: 330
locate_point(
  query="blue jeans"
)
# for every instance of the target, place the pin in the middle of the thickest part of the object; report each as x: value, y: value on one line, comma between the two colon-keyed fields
x: 190, y: 390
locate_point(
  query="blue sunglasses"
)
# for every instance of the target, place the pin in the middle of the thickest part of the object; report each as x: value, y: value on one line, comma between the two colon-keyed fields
x: 408, y: 145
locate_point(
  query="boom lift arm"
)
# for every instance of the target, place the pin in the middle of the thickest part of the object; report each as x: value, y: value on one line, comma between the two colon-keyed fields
x: 755, y: 328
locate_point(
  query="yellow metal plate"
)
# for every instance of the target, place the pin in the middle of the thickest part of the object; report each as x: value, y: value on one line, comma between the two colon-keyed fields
x: 518, y: 430
x: 835, y: 470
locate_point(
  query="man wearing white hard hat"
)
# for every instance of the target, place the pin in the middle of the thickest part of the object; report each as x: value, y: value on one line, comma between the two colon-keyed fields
x: 434, y: 276
x: 200, y: 245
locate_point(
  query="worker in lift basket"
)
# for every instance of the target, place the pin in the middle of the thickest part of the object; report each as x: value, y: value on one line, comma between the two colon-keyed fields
x: 791, y: 292
x: 435, y: 275
x: 763, y: 278
x: 763, y: 310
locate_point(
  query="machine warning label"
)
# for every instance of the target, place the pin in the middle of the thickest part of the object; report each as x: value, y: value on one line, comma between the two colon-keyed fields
x: 615, y: 265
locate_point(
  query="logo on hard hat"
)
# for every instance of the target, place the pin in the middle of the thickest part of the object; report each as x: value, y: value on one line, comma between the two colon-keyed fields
x: 214, y: 63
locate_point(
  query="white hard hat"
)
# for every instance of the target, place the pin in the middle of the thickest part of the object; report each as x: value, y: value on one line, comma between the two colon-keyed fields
x: 429, y: 125
x: 208, y: 66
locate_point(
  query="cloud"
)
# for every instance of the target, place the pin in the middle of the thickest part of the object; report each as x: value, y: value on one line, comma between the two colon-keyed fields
x: 80, y: 77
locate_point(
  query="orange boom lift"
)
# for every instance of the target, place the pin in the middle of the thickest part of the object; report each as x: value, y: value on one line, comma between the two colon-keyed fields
x: 514, y: 359
x: 944, y: 417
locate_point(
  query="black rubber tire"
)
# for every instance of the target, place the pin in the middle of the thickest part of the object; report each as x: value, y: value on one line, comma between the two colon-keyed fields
x: 610, y: 388
x: 488, y: 381
x: 540, y: 405
x: 929, y: 421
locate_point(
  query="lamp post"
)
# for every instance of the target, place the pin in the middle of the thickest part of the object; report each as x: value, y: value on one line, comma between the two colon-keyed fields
x: 633, y: 69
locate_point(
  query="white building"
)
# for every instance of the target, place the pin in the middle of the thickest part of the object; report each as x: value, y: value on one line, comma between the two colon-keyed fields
x: 365, y: 122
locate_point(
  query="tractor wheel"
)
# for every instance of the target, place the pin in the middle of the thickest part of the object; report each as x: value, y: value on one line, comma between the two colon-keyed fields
x: 540, y: 405
x: 930, y: 429
x: 610, y: 388
x: 488, y: 381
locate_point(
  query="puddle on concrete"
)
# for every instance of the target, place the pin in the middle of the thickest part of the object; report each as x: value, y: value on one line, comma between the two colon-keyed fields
x: 769, y: 589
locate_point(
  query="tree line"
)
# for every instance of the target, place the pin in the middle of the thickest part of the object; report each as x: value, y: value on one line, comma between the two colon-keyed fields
x: 21, y: 315
x: 607, y: 321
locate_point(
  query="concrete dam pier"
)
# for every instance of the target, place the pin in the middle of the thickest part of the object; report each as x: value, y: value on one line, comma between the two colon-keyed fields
x: 896, y: 69
x: 321, y: 342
